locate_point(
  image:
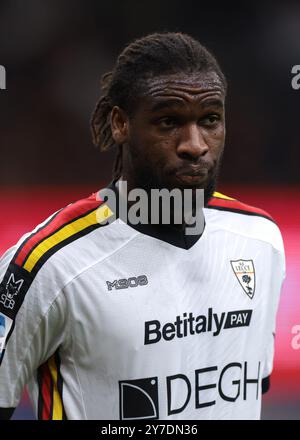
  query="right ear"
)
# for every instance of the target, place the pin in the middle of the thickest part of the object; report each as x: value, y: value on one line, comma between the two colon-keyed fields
x: 119, y: 124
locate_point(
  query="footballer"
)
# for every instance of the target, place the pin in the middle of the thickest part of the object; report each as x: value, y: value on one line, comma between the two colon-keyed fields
x: 113, y: 320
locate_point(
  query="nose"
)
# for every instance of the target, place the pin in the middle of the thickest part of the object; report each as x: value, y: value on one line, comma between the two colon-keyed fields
x: 192, y: 144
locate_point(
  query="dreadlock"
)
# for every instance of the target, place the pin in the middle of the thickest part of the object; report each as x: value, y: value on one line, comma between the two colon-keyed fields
x: 153, y: 55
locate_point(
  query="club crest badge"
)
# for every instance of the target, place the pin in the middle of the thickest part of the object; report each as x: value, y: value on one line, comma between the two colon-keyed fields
x: 245, y: 273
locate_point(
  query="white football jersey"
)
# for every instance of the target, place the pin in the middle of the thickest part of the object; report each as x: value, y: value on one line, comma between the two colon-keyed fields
x: 129, y: 322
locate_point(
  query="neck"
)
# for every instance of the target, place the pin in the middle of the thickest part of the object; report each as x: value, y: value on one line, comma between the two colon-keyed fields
x: 177, y: 215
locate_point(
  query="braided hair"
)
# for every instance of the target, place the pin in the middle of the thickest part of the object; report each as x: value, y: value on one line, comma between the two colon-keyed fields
x: 153, y: 55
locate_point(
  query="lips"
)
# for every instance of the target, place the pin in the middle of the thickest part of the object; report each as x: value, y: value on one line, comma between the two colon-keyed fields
x: 193, y: 170
x: 188, y: 179
x: 193, y: 174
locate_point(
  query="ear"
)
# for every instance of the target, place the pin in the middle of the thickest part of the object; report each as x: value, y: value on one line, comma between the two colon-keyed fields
x: 119, y: 124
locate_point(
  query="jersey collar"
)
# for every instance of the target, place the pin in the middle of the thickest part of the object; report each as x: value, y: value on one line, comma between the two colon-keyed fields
x: 166, y: 233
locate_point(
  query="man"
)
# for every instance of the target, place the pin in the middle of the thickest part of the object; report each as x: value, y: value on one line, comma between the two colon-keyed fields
x: 117, y: 320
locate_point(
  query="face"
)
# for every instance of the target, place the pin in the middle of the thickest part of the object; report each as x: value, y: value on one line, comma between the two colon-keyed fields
x: 175, y: 137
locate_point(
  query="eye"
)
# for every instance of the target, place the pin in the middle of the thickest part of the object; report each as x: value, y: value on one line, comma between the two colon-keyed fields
x: 168, y: 122
x: 211, y: 120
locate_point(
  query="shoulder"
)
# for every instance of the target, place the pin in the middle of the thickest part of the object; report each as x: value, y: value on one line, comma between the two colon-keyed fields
x: 61, y: 228
x: 28, y: 264
x: 31, y: 279
x: 222, y: 202
x: 233, y: 215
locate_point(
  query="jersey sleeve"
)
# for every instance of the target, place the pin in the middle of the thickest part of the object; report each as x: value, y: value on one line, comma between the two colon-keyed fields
x: 276, y: 281
x: 32, y: 326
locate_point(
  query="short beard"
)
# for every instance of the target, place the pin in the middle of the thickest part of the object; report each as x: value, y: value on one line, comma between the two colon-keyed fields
x: 210, y: 189
x: 147, y: 179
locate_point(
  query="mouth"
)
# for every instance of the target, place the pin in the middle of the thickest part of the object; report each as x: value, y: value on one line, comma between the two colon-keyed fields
x: 192, y: 175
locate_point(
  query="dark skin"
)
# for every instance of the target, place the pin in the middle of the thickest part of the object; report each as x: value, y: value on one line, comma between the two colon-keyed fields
x: 175, y: 136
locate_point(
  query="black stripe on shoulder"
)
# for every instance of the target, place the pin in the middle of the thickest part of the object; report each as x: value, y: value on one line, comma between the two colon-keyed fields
x: 13, y: 289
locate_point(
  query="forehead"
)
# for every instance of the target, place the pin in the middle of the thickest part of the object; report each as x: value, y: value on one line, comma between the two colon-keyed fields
x: 182, y: 88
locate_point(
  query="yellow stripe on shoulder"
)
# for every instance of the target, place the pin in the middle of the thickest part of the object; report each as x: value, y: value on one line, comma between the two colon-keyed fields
x: 221, y: 196
x: 95, y: 217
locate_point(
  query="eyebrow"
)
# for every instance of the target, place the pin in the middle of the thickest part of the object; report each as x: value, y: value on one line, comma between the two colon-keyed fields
x: 171, y: 103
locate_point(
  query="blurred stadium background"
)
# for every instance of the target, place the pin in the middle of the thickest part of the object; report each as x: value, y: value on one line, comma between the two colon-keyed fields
x: 55, y: 51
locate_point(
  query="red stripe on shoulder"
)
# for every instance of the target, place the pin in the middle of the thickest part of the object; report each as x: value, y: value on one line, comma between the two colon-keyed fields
x: 66, y: 215
x: 236, y: 206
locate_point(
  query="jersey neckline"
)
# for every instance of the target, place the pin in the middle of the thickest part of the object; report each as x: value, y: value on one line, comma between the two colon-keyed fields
x: 165, y: 233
